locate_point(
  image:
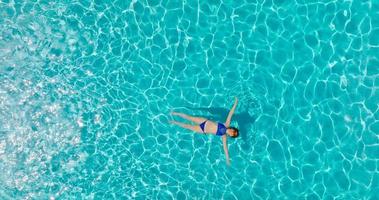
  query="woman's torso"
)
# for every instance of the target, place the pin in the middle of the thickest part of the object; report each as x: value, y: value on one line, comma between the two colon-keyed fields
x: 215, y: 128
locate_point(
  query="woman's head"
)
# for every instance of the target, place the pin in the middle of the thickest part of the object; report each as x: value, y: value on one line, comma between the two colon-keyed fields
x: 232, y: 132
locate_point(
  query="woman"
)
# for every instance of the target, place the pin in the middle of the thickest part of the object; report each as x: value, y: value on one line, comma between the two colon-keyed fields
x: 207, y: 126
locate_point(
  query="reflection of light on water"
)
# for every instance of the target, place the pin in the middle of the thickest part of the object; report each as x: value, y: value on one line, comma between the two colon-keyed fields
x: 37, y: 111
x: 2, y: 147
x: 75, y: 161
x: 347, y: 118
x: 80, y: 122
x: 343, y: 82
x: 97, y: 118
x: 89, y: 73
x: 332, y: 64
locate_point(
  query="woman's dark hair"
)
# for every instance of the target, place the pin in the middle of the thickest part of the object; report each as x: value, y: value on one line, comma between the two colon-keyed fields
x: 236, y: 130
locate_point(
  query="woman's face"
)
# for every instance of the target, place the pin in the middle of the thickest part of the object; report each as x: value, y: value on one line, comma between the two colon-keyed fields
x: 231, y: 132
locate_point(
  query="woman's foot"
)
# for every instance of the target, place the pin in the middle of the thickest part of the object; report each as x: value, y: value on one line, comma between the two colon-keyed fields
x: 175, y: 113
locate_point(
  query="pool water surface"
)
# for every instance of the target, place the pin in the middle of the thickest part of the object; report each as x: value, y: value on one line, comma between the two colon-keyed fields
x: 86, y: 88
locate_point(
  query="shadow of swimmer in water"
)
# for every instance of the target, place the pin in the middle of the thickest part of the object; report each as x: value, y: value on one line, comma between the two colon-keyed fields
x: 207, y: 126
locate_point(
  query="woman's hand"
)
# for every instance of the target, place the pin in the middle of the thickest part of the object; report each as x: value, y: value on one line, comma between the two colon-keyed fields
x: 229, y: 118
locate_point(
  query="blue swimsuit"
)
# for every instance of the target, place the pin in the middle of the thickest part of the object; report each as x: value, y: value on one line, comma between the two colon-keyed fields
x: 221, y: 129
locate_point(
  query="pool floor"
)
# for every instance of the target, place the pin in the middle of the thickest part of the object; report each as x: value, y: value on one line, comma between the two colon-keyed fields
x: 86, y: 88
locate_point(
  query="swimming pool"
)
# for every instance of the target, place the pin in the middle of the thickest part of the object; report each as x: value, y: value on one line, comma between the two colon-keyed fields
x: 86, y: 88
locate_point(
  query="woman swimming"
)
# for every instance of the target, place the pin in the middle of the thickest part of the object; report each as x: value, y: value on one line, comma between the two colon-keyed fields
x: 207, y: 126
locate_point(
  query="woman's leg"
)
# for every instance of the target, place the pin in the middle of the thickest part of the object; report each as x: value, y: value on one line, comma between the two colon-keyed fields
x: 195, y: 128
x: 197, y: 120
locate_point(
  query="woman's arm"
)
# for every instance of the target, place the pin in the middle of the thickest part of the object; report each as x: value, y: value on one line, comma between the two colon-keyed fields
x: 225, y: 144
x: 231, y: 112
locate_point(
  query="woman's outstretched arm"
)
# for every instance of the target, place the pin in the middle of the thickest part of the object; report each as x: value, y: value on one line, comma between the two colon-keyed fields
x: 231, y: 112
x: 225, y: 144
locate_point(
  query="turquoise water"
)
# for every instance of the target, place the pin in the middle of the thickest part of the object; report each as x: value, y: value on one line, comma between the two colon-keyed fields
x: 86, y: 88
